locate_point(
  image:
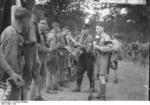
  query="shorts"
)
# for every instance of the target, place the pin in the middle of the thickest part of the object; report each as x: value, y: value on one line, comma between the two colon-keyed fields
x: 29, y: 56
x: 85, y: 63
x: 52, y: 60
x: 32, y: 70
x: 103, y: 64
x: 58, y: 60
x: 63, y: 56
x: 43, y: 68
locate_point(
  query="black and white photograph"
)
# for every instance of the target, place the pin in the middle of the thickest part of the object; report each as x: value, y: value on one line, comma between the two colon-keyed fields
x: 74, y: 50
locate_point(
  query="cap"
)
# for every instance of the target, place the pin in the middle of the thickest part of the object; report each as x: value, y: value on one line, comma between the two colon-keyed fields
x: 21, y: 13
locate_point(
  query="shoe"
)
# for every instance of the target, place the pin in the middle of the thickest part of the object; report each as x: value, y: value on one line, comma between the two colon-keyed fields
x: 116, y: 81
x: 99, y: 97
x: 64, y: 85
x: 103, y: 98
x: 76, y: 90
x: 55, y: 87
x: 90, y: 90
x: 52, y: 92
x: 39, y: 98
x: 90, y: 98
x: 87, y: 91
x: 94, y: 91
x: 106, y: 79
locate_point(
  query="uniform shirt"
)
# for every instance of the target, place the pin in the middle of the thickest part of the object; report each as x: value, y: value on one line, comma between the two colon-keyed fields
x: 12, y: 43
x: 11, y: 47
x: 116, y: 44
x: 135, y: 47
x: 70, y: 42
x: 66, y: 39
x: 32, y: 34
x: 52, y: 39
x: 85, y: 39
x: 4, y: 67
x: 63, y: 40
x: 43, y: 40
x: 37, y: 33
x: 103, y: 39
x: 117, y: 50
x: 77, y: 37
x: 105, y: 43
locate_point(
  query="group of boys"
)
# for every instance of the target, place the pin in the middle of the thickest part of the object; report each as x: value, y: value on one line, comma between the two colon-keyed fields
x: 37, y: 55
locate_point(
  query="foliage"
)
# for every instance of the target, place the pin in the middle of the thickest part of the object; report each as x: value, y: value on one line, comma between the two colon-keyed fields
x: 132, y: 24
x: 28, y: 4
x: 66, y: 12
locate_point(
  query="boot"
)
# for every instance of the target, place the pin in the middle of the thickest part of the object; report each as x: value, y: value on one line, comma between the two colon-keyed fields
x: 116, y: 81
x: 56, y: 87
x: 78, y: 89
x: 90, y: 97
x: 106, y: 79
x: 79, y: 81
x: 39, y: 98
x: 51, y: 91
x: 103, y: 92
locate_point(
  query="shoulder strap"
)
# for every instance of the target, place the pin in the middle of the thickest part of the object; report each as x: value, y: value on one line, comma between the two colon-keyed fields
x: 37, y: 33
x: 85, y: 39
x: 65, y: 38
x: 45, y: 41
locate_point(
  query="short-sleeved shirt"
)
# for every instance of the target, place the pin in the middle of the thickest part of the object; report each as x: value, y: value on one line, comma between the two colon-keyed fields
x: 11, y: 44
x: 116, y: 44
x: 77, y: 37
x: 64, y: 38
x: 85, y: 39
x: 2, y: 60
x: 103, y: 39
x: 32, y: 34
x: 117, y: 47
x: 63, y: 41
x: 105, y: 42
x: 52, y: 39
x: 43, y: 39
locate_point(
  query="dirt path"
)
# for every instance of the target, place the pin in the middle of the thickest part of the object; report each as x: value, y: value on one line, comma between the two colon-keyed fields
x: 133, y: 82
x: 133, y: 85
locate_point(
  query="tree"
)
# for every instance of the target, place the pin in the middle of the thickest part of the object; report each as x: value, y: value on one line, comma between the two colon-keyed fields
x: 133, y: 23
x: 66, y: 12
x: 138, y: 14
x: 28, y: 4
